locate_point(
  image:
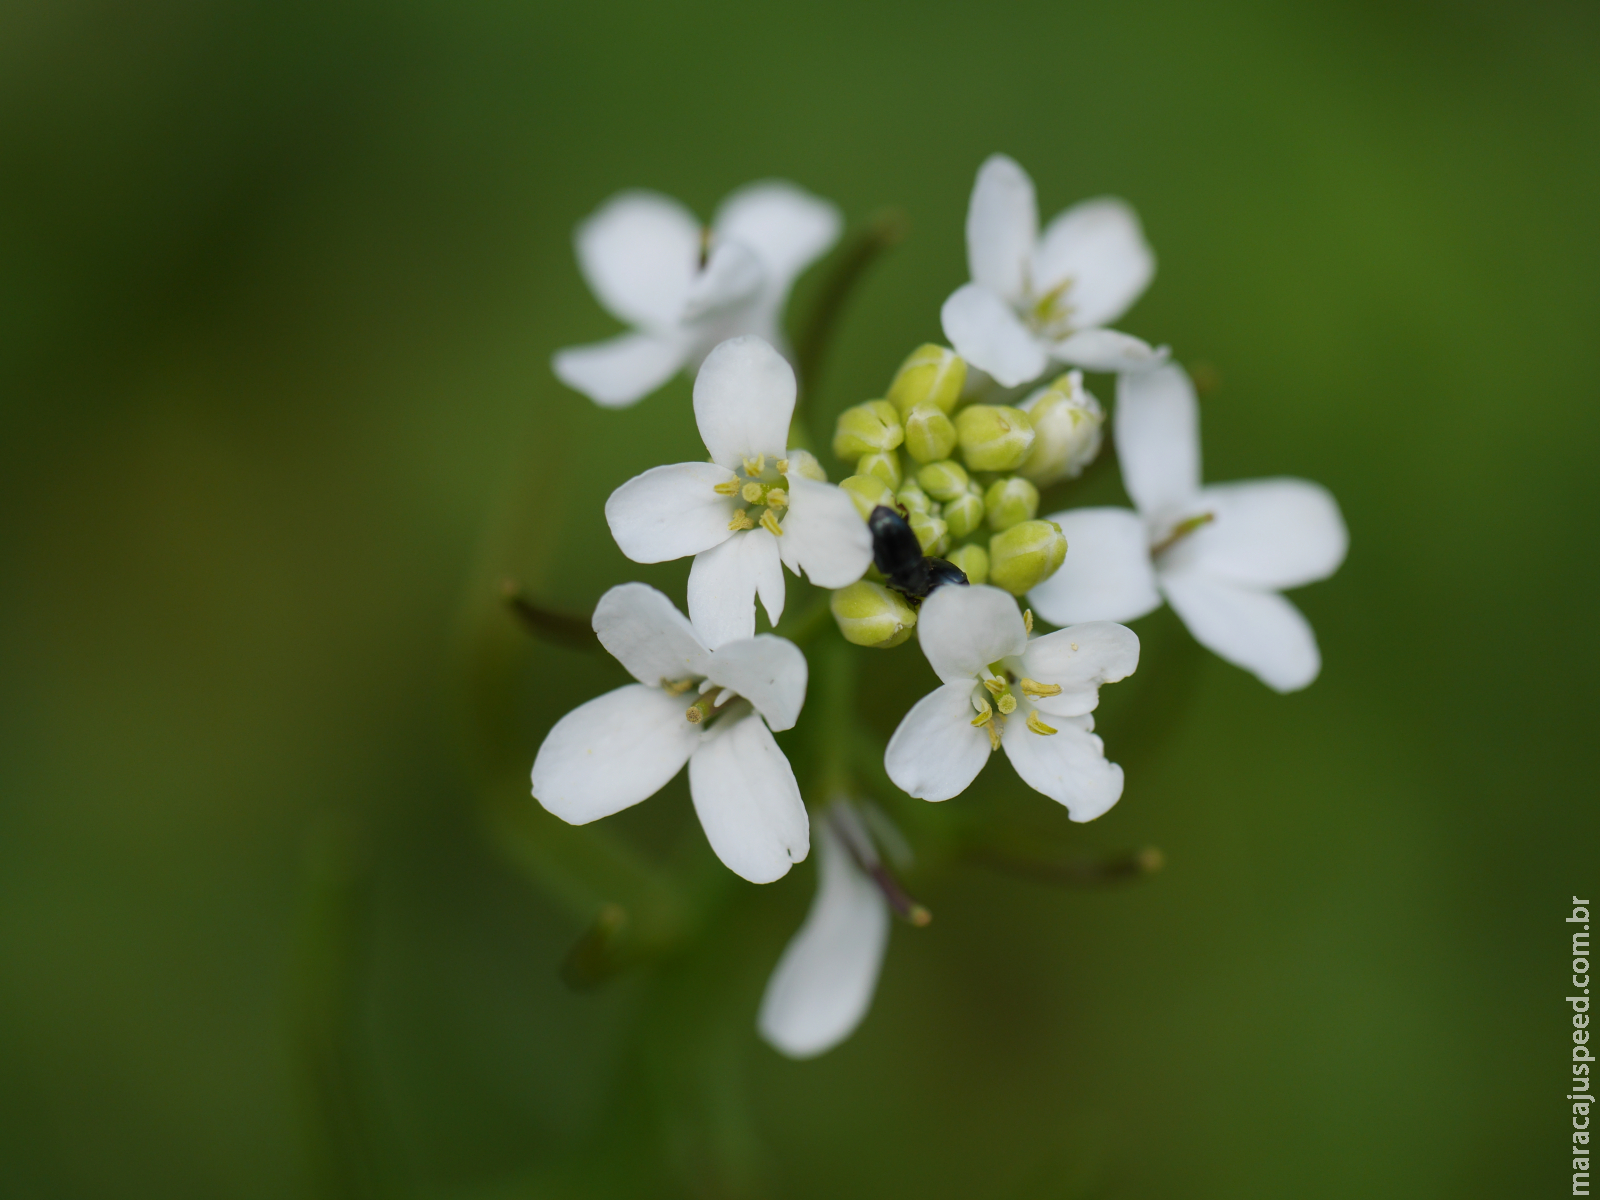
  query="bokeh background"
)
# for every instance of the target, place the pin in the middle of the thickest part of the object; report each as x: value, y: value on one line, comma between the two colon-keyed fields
x: 279, y: 283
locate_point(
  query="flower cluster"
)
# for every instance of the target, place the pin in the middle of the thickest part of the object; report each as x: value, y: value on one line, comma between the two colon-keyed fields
x: 934, y: 529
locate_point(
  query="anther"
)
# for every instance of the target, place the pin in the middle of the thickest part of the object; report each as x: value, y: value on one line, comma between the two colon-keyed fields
x: 1027, y: 620
x: 994, y: 736
x: 753, y: 493
x: 675, y: 687
x: 985, y: 714
x: 777, y: 498
x: 781, y: 466
x: 769, y: 522
x: 728, y: 487
x: 1032, y: 687
x: 741, y: 520
x: 995, y: 686
x: 1038, y: 726
x: 756, y: 465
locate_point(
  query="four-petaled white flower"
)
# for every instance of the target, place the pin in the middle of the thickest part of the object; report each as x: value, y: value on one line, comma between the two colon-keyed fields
x: 749, y: 511
x: 1218, y: 554
x: 1032, y: 298
x: 823, y: 985
x: 709, y: 708
x: 999, y: 689
x: 685, y: 288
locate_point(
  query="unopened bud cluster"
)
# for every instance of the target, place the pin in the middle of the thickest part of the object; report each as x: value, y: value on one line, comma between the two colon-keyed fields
x: 970, y: 490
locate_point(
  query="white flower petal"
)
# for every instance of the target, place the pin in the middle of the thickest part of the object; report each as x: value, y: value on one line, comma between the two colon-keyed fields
x: 748, y: 801
x: 1069, y: 766
x: 723, y: 583
x: 1002, y: 226
x: 639, y: 253
x: 645, y: 632
x: 787, y: 227
x: 964, y: 629
x: 671, y: 512
x: 1107, y: 574
x: 989, y: 335
x: 769, y: 671
x: 937, y: 751
x: 1257, y: 630
x: 1110, y: 351
x: 743, y: 399
x: 823, y: 984
x: 614, y: 751
x: 823, y: 534
x: 621, y: 370
x: 1158, y: 439
x: 1266, y: 533
x: 1099, y: 246
x: 1078, y: 659
x: 733, y: 275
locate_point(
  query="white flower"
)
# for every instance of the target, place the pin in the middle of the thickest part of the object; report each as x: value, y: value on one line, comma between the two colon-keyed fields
x: 823, y: 984
x: 684, y: 288
x: 749, y: 509
x: 1000, y: 689
x: 1035, y: 298
x: 709, y: 708
x: 1218, y: 554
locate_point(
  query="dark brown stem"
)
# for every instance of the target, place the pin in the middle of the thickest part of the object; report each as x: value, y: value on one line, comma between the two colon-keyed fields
x: 563, y: 629
x: 849, y: 266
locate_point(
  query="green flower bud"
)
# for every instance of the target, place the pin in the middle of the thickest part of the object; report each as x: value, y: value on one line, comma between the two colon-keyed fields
x: 869, y: 614
x: 931, y: 375
x: 1067, y: 423
x: 973, y: 559
x: 932, y: 533
x: 993, y: 437
x: 1025, y: 555
x: 1010, y: 501
x: 913, y: 498
x: 867, y: 428
x: 882, y: 464
x: 804, y: 464
x: 943, y: 480
x: 930, y: 434
x: 866, y: 492
x: 965, y: 513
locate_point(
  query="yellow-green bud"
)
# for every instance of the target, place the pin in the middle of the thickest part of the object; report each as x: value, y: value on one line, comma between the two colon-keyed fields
x: 869, y: 614
x: 932, y: 533
x: 1025, y: 555
x: 867, y: 428
x: 1067, y: 425
x: 973, y: 559
x: 943, y: 480
x: 1010, y: 501
x: 866, y: 492
x: 993, y: 437
x: 882, y: 464
x: 804, y: 464
x: 931, y: 375
x: 913, y: 498
x: 930, y: 434
x: 965, y: 513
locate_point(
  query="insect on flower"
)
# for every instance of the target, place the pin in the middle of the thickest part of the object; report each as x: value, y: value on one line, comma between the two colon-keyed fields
x: 897, y: 553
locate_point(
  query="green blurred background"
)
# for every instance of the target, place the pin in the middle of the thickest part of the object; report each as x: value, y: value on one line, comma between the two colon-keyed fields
x: 280, y: 285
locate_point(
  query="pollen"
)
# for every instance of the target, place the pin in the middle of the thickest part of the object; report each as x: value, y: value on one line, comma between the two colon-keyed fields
x: 753, y: 493
x: 781, y: 466
x: 1007, y: 703
x: 675, y: 687
x: 728, y: 487
x: 1032, y: 687
x: 985, y: 714
x: 1027, y: 620
x: 769, y: 522
x: 1038, y: 726
x: 755, y: 466
x: 995, y: 686
x: 698, y: 711
x: 741, y: 520
x: 778, y: 498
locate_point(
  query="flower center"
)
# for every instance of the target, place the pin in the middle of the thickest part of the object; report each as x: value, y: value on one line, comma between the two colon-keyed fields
x: 709, y: 703
x: 761, y: 491
x: 1180, y: 531
x: 1002, y: 685
x: 1050, y: 315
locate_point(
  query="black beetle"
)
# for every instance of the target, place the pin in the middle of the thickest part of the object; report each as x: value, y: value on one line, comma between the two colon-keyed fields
x: 897, y: 553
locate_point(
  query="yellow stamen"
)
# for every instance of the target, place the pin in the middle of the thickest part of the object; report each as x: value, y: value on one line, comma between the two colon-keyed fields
x: 769, y: 522
x: 782, y: 466
x: 778, y: 498
x: 728, y: 487
x: 756, y: 465
x: 985, y: 714
x: 994, y: 736
x: 1032, y: 687
x: 741, y: 520
x: 675, y: 687
x: 753, y: 493
x: 1007, y: 703
x: 1038, y: 726
x: 995, y: 686
x: 1027, y: 619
